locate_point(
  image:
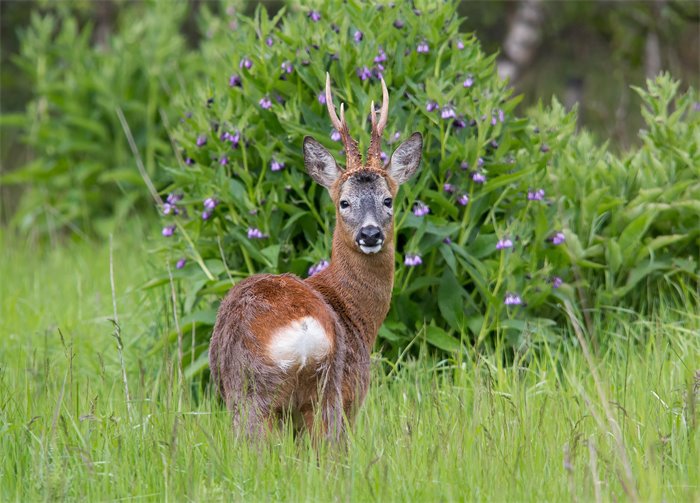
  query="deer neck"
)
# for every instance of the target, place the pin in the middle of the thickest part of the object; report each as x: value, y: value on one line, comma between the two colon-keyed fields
x: 358, y: 286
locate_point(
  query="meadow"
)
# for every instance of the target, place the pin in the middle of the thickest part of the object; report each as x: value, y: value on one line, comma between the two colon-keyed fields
x: 545, y: 423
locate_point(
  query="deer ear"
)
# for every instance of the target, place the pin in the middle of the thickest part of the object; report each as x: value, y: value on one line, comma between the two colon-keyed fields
x: 320, y: 163
x: 405, y: 159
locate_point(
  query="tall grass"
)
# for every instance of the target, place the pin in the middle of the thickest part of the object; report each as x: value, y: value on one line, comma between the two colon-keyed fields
x: 529, y: 426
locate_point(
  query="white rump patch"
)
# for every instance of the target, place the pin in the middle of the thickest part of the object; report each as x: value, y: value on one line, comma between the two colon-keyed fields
x: 301, y: 341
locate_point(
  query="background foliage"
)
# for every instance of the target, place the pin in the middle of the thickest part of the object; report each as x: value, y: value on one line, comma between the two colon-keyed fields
x: 522, y: 214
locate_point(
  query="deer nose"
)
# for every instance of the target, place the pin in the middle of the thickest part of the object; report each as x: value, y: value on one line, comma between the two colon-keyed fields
x: 370, y: 235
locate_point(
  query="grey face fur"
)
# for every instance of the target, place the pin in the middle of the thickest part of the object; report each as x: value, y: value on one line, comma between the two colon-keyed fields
x: 364, y: 201
x: 366, y: 207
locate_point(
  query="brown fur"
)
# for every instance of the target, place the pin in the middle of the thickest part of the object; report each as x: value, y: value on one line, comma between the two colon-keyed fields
x: 350, y: 299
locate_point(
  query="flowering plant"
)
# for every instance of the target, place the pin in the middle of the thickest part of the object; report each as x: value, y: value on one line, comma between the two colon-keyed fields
x: 478, y: 247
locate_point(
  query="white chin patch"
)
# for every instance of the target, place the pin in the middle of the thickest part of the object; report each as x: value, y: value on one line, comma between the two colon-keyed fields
x: 371, y: 249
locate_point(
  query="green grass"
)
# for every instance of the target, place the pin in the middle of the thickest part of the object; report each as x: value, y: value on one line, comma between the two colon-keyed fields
x: 468, y: 429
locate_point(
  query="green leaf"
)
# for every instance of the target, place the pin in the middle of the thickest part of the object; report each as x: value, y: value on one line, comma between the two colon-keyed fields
x: 441, y: 339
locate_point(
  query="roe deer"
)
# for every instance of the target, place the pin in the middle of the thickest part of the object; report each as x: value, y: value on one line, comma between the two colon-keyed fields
x: 282, y: 344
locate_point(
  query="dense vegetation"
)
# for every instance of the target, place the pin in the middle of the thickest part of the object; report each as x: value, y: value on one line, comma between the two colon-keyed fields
x: 543, y: 338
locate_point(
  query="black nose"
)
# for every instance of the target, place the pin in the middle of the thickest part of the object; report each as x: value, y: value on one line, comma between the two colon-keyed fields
x: 370, y: 235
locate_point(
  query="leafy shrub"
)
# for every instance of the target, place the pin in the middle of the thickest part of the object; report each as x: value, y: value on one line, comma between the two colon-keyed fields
x: 632, y: 221
x: 84, y: 173
x: 490, y: 248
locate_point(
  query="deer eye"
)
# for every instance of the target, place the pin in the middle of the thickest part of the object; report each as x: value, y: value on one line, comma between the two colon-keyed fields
x: 344, y: 204
x: 388, y: 202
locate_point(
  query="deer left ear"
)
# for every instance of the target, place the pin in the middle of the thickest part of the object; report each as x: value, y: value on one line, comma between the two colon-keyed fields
x: 405, y: 159
x: 319, y: 163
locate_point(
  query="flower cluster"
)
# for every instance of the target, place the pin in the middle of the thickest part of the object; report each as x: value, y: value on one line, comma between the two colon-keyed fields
x: 503, y: 244
x: 535, y: 195
x: 558, y: 238
x: 412, y: 260
x: 316, y: 268
x: 512, y: 300
x: 255, y: 233
x: 209, y: 205
x: 420, y: 209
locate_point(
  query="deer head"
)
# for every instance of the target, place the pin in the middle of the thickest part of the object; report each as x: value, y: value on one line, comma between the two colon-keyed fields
x: 363, y: 194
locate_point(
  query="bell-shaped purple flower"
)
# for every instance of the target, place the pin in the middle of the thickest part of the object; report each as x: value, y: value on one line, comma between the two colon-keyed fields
x: 478, y: 177
x: 512, y: 300
x: 168, y: 231
x: 557, y: 282
x: 364, y: 73
x: 180, y: 263
x: 448, y: 112
x: 255, y: 233
x: 235, y: 81
x: 431, y: 106
x: 316, y: 268
x: 287, y: 67
x: 335, y: 135
x: 558, y: 238
x: 469, y: 81
x: 412, y: 260
x: 420, y: 209
x: 503, y: 244
x: 210, y: 203
x: 265, y: 103
x: 423, y: 47
x: 276, y: 165
x: 314, y: 16
x: 535, y: 194
x: 463, y: 200
x: 245, y: 63
x: 201, y: 140
x: 357, y: 36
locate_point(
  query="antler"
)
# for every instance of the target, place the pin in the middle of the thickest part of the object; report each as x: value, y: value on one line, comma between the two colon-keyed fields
x: 352, y: 153
x: 374, y: 154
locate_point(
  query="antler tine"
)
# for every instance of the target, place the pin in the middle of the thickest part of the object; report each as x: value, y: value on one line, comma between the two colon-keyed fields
x: 374, y: 153
x: 337, y: 123
x: 354, y: 160
x: 384, y: 112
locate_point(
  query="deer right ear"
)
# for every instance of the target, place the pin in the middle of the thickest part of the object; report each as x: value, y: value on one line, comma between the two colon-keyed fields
x: 319, y: 163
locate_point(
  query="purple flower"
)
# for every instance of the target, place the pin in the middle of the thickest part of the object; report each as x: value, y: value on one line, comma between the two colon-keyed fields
x: 504, y: 243
x: 335, y: 135
x: 265, y: 103
x: 512, y: 300
x: 235, y: 81
x: 464, y: 165
x: 168, y: 231
x: 287, y: 67
x: 535, y: 195
x: 480, y: 162
x: 412, y: 260
x: 201, y: 140
x: 479, y: 177
x: 269, y: 41
x: 447, y: 240
x: 398, y: 24
x: 423, y: 47
x: 380, y: 57
x: 431, y: 106
x: 420, y: 209
x: 180, y: 263
x: 459, y: 123
x: 463, y: 200
x: 316, y: 268
x: 276, y: 165
x: 544, y: 148
x: 383, y: 156
x: 255, y: 233
x: 449, y: 188
x: 460, y: 44
x: 224, y: 160
x: 501, y: 115
x: 558, y: 238
x: 322, y: 98
x: 364, y: 73
x: 174, y: 198
x: 469, y: 81
x: 189, y: 161
x: 235, y: 139
x: 206, y: 215
x: 557, y: 282
x: 245, y: 63
x: 493, y: 120
x: 168, y: 208
x: 210, y: 203
x: 448, y: 112
x: 314, y: 15
x: 357, y: 36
